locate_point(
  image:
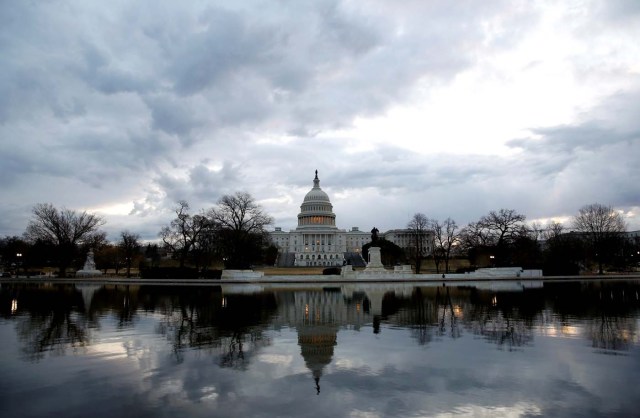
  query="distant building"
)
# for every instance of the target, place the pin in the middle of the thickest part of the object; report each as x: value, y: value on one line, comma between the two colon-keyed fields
x: 317, y: 241
x: 406, y: 238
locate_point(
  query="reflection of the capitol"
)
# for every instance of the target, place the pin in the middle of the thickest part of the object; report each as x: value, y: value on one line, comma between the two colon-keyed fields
x: 317, y: 317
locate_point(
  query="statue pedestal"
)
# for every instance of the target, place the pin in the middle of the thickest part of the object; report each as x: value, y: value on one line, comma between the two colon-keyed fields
x: 347, y: 272
x: 375, y: 262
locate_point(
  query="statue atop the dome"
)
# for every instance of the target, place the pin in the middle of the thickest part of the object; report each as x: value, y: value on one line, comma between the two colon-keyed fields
x: 374, y: 234
x: 316, y: 175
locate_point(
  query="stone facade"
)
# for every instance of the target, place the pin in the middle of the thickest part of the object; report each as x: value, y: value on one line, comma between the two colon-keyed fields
x: 405, y: 239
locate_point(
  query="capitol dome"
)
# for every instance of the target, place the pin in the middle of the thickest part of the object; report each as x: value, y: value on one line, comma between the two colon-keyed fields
x: 316, y: 195
x: 316, y: 210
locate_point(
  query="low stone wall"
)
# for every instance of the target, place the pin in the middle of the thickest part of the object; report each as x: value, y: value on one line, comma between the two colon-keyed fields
x: 241, y: 274
x: 404, y: 273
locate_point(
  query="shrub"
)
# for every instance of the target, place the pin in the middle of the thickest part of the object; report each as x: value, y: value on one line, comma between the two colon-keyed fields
x: 211, y: 274
x: 174, y: 273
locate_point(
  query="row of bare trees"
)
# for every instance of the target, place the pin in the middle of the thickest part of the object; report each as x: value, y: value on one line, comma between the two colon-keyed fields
x: 432, y: 238
x: 503, y: 238
x: 62, y: 237
x: 233, y: 231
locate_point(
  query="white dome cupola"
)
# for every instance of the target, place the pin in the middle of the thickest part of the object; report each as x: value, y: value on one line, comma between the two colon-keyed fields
x: 316, y: 210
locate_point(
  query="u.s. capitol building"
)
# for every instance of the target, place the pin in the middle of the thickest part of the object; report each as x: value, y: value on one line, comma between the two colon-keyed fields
x: 317, y: 241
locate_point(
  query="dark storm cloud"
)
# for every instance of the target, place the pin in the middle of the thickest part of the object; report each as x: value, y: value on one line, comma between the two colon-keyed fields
x: 173, y: 116
x: 103, y: 72
x: 145, y: 103
x: 226, y: 44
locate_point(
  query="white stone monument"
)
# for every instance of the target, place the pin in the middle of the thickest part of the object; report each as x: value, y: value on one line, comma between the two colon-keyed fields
x: 375, y: 262
x: 89, y: 268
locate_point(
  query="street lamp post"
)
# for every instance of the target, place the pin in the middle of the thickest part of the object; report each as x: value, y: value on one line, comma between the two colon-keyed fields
x: 18, y: 264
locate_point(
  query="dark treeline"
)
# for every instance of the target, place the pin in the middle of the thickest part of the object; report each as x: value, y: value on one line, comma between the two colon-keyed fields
x: 594, y: 241
x: 233, y: 235
x: 230, y: 235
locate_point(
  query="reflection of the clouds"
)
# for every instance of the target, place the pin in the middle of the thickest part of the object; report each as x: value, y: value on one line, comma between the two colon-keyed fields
x: 519, y: 409
x: 108, y: 351
x: 255, y: 353
x: 275, y: 359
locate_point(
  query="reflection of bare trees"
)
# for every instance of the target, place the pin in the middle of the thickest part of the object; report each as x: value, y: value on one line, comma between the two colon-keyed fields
x: 239, y: 346
x: 428, y: 313
x: 418, y: 313
x: 234, y: 354
x: 506, y: 319
x: 440, y: 312
x: 448, y: 315
x: 55, y: 332
x: 421, y: 315
x: 506, y: 332
x: 604, y: 312
x: 231, y: 325
x: 617, y: 326
x: 612, y: 333
x: 50, y: 320
x: 58, y: 318
x: 121, y: 300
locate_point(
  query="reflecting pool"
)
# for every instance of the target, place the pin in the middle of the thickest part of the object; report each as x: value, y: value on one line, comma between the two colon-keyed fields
x: 354, y: 350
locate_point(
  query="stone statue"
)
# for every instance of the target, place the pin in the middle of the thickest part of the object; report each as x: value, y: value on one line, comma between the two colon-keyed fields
x: 89, y: 268
x: 374, y: 234
x: 89, y: 264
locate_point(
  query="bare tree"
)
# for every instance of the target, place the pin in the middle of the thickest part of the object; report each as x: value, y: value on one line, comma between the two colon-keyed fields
x: 419, y: 226
x: 602, y: 227
x: 503, y: 226
x: 563, y: 252
x: 108, y: 257
x: 553, y: 230
x: 474, y: 235
x: 183, y: 232
x: 535, y: 231
x: 65, y: 229
x: 446, y: 239
x: 494, y: 232
x: 241, y: 228
x: 130, y: 246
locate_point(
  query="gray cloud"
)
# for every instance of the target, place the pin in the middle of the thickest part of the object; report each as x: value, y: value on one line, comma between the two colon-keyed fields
x: 144, y: 104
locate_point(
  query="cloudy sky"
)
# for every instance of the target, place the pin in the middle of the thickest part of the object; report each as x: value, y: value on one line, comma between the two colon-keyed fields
x: 452, y: 109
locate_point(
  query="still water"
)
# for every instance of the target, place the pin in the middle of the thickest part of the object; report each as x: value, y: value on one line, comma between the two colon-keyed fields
x: 559, y: 349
